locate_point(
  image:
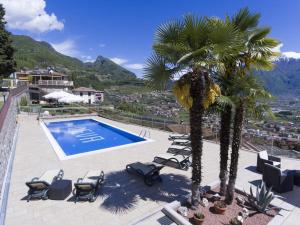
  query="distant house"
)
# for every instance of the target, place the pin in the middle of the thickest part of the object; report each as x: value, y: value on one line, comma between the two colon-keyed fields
x: 91, y: 96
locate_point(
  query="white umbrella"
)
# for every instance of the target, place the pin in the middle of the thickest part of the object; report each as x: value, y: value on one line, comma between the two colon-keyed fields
x: 71, y: 99
x: 57, y: 95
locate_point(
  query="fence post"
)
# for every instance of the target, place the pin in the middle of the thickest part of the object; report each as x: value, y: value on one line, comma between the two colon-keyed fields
x: 164, y: 124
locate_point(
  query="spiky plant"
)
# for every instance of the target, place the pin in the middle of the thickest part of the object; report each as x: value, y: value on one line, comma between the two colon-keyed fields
x: 262, y: 199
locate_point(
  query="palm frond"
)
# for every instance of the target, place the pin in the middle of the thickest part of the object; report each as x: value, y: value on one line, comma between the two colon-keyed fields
x: 244, y: 20
x: 157, y: 73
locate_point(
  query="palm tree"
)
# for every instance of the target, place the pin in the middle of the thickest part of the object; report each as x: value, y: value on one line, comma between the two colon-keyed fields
x: 187, y: 52
x: 258, y: 54
x: 244, y: 21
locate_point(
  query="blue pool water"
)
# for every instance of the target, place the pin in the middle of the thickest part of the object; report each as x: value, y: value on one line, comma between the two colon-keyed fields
x: 80, y: 136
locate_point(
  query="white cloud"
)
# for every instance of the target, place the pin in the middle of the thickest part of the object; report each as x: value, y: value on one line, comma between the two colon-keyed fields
x: 87, y: 58
x: 294, y: 55
x: 102, y: 45
x: 291, y: 54
x: 119, y: 61
x: 135, y: 66
x: 66, y: 47
x: 30, y: 15
x: 278, y: 48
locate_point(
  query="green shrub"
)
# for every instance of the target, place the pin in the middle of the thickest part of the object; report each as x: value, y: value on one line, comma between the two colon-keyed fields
x: 23, y: 101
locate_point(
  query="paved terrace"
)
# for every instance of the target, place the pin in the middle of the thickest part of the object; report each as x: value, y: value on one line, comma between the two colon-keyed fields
x: 123, y: 198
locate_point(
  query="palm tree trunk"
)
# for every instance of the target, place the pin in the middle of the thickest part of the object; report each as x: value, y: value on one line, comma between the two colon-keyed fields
x: 196, y: 114
x: 224, y: 147
x: 236, y: 141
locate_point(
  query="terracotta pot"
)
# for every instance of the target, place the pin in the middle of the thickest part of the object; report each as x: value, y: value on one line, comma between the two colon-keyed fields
x: 198, y: 221
x: 218, y: 209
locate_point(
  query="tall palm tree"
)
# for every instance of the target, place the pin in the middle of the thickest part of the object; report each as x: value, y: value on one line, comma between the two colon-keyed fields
x: 244, y: 21
x: 258, y: 54
x: 187, y: 51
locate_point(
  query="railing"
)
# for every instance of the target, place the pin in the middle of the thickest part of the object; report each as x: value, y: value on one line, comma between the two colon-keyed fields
x: 8, y: 125
x: 7, y: 103
x: 56, y: 83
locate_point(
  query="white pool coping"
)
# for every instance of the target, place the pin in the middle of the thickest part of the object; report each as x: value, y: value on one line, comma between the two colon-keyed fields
x: 61, y: 154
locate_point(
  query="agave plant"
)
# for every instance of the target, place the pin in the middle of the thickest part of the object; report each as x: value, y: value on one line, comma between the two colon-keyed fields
x: 263, y: 198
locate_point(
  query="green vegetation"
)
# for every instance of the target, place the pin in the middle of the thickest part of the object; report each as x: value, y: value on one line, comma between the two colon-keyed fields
x: 245, y: 94
x: 100, y: 74
x: 23, y: 101
x: 209, y: 52
x: 7, y: 62
x: 262, y: 199
x: 192, y: 47
x: 132, y: 108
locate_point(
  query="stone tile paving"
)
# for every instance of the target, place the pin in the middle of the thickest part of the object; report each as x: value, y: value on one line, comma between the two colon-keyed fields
x: 123, y: 198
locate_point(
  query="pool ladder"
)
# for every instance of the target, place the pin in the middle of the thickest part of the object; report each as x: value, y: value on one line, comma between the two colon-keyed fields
x: 145, y: 133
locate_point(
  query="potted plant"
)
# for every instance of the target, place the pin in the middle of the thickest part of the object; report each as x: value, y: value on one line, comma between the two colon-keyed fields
x: 220, y: 207
x: 199, y: 218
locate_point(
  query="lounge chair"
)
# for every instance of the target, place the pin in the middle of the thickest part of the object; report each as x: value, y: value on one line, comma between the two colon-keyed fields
x: 150, y: 172
x: 39, y: 187
x: 280, y: 181
x: 184, y: 142
x: 86, y: 188
x: 175, y: 160
x: 263, y: 158
x: 179, y: 136
x: 179, y: 149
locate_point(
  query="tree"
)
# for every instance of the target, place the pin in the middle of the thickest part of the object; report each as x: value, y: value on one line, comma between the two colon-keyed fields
x: 7, y: 62
x: 244, y: 21
x: 244, y: 89
x: 190, y: 50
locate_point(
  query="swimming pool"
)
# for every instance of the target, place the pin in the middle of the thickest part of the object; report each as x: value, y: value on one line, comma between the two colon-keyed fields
x: 77, y: 137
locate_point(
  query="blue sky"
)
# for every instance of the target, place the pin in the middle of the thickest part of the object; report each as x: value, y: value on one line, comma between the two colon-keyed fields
x: 123, y: 30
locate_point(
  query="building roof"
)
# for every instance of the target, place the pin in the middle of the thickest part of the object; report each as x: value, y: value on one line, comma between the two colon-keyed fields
x: 84, y: 89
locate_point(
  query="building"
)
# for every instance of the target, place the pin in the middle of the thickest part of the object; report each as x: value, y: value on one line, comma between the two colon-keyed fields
x: 43, y: 81
x: 91, y: 96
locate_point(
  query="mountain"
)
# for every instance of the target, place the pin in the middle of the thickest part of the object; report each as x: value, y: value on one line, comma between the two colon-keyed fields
x: 284, y: 79
x: 31, y: 53
x: 107, y: 67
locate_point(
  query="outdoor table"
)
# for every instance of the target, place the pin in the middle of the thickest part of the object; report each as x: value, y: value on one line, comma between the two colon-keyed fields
x: 60, y: 189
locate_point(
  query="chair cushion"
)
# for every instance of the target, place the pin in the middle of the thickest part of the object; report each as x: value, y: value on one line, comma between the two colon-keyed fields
x: 263, y: 155
x: 275, y: 163
x: 91, y: 177
x: 49, y: 176
x: 142, y: 167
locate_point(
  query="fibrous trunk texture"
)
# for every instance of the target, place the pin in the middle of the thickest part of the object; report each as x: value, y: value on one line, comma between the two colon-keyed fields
x: 235, y: 147
x: 224, y: 147
x: 196, y: 113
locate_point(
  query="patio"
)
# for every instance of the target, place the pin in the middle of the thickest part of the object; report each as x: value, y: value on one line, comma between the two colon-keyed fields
x: 123, y: 198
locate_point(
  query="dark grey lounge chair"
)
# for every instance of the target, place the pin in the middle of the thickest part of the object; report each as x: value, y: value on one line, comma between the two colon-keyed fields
x: 39, y: 187
x: 150, y: 172
x: 179, y: 136
x: 263, y: 158
x: 86, y: 188
x: 184, y: 142
x: 174, y: 160
x: 280, y: 181
x: 180, y: 149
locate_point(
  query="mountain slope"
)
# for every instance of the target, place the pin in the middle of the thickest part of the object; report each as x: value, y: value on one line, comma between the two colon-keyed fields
x: 31, y: 53
x: 107, y: 67
x: 284, y: 79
